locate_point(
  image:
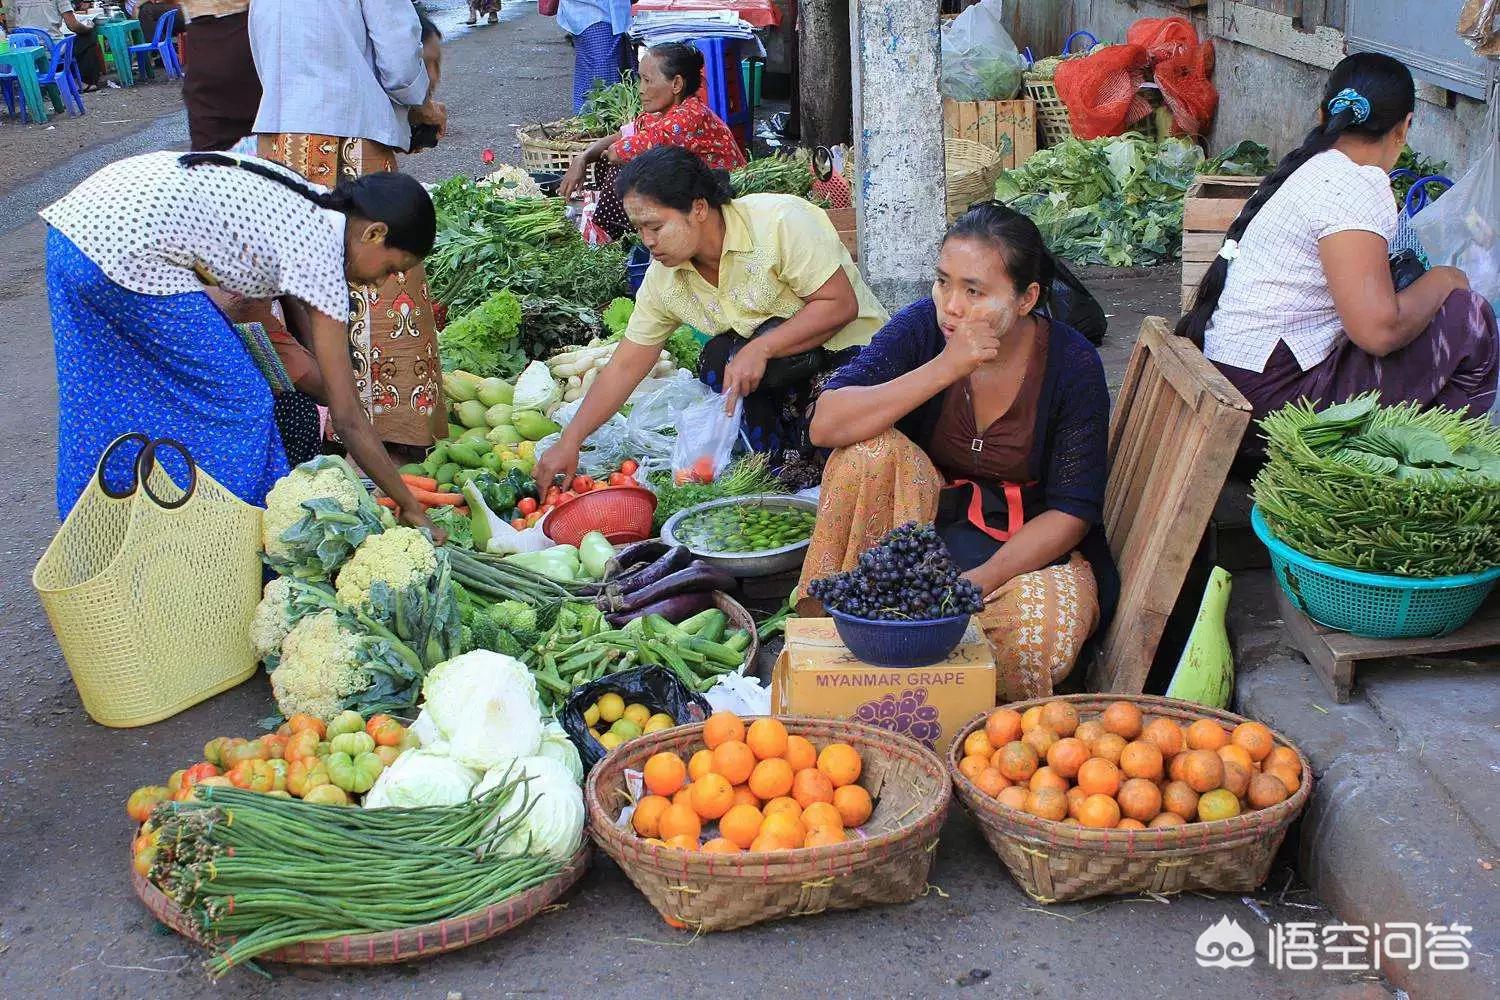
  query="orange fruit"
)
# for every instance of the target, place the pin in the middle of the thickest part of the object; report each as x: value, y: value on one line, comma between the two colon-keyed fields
x: 1089, y: 732
x: 1255, y: 738
x: 720, y: 845
x: 771, y: 778
x: 712, y: 796
x: 1003, y: 726
x: 811, y: 785
x: 1067, y: 755
x: 646, y: 820
x: 1040, y: 739
x: 664, y: 773
x: 822, y: 814
x: 1175, y: 767
x: 1236, y: 778
x: 1220, y: 803
x: 1238, y: 754
x: 679, y: 819
x: 1139, y: 799
x: 1166, y: 819
x: 853, y: 804
x: 782, y: 803
x: 734, y: 761
x: 741, y: 825
x: 722, y: 727
x: 1291, y: 777
x: 683, y: 795
x: 1099, y: 811
x: 800, y: 753
x: 765, y: 843
x: 841, y: 763
x: 991, y: 782
x: 822, y: 836
x: 1045, y: 777
x: 684, y: 841
x: 1282, y: 755
x: 1075, y: 796
x: 1109, y: 747
x: 1031, y: 718
x: 1048, y: 803
x: 1130, y: 824
x: 1203, y: 770
x: 784, y: 827
x: 1060, y: 717
x: 1206, y: 734
x: 1178, y: 797
x: 1123, y: 719
x: 977, y: 744
x: 743, y: 796
x: 1098, y: 776
x: 1014, y: 797
x: 766, y: 738
x: 1166, y: 734
x: 970, y: 767
x: 1265, y: 791
x: 1141, y: 760
x: 700, y: 764
x: 1018, y: 762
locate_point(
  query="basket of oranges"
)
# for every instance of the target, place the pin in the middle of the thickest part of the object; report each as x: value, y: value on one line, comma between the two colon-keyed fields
x: 731, y: 822
x: 1087, y: 795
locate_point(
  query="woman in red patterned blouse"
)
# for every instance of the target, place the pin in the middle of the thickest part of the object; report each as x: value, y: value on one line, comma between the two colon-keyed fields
x: 673, y: 114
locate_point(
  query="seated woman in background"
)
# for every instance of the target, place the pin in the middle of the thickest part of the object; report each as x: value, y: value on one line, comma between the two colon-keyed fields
x: 672, y: 114
x: 1301, y: 302
x: 975, y: 410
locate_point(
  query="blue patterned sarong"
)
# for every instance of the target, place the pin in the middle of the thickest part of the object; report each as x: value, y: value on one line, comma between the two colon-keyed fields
x: 165, y: 365
x: 598, y: 54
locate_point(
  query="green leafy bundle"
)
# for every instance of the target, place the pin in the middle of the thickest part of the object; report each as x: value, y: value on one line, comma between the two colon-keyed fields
x: 778, y: 174
x: 1384, y: 489
x: 746, y: 476
x: 483, y: 340
x: 1246, y: 158
x: 1420, y: 165
x: 607, y: 107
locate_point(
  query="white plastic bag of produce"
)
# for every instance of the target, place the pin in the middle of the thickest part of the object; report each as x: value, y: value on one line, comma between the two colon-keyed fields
x: 705, y: 440
x: 1462, y: 228
x: 739, y: 694
x: 980, y: 61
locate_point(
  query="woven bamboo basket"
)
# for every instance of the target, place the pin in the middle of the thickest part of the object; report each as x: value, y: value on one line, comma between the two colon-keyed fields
x: 408, y: 944
x: 741, y: 619
x: 719, y: 892
x: 1059, y: 863
x: 1051, y: 113
x: 972, y: 170
x: 542, y: 154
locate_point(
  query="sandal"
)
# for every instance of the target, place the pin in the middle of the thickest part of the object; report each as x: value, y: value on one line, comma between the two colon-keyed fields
x: 494, y: 18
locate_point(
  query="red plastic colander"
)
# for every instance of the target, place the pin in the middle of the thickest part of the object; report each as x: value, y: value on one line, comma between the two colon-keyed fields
x: 622, y: 513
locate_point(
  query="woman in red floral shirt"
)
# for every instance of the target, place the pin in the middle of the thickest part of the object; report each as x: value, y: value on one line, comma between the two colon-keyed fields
x: 673, y: 114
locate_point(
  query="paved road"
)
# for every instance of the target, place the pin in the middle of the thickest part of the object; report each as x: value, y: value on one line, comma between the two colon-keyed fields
x: 70, y: 927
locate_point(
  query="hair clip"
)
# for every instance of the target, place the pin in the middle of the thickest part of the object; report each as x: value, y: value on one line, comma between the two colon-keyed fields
x: 1230, y: 250
x: 1353, y: 101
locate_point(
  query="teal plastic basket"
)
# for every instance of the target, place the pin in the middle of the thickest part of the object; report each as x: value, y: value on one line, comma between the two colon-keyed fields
x: 1373, y: 604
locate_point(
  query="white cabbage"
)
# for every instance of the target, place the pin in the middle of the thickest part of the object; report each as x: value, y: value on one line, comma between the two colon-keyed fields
x: 421, y: 778
x: 485, y: 708
x: 535, y: 388
x: 555, y: 744
x: 555, y: 815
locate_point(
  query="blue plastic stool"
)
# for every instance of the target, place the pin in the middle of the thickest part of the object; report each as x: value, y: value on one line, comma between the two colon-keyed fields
x: 63, y: 75
x: 726, y: 89
x: 160, y: 44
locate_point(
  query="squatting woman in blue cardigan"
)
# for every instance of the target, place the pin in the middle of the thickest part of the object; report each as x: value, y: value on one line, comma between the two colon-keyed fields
x: 975, y: 410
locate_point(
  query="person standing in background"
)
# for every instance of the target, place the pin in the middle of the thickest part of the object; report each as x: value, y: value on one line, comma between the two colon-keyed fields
x: 600, y: 47
x: 151, y: 11
x: 491, y: 8
x: 221, y: 89
x: 342, y: 92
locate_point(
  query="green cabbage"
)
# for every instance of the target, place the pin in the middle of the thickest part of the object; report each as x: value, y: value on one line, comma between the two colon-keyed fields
x: 556, y: 745
x: 553, y: 804
x: 421, y: 778
x: 484, y: 709
x: 536, y: 389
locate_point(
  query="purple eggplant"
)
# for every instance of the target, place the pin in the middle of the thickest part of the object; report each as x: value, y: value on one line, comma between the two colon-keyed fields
x: 677, y: 608
x: 698, y: 576
x: 610, y: 595
x: 635, y: 554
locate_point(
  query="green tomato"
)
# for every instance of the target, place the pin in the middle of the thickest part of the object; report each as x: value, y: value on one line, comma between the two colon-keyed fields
x: 353, y: 744
x: 347, y: 721
x: 356, y: 774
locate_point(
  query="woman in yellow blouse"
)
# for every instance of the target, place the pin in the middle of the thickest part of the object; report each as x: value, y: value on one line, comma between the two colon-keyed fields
x: 766, y: 274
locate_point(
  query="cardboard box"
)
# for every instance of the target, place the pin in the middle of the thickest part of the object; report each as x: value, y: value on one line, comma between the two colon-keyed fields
x: 817, y: 675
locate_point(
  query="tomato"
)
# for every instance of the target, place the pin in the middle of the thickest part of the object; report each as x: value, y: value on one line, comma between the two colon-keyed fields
x: 582, y: 484
x: 629, y: 466
x: 304, y: 775
x: 253, y: 775
x: 275, y: 745
x: 284, y: 730
x: 303, y: 744
x: 278, y: 775
x: 617, y: 478
x: 534, y: 518
x: 237, y: 750
x: 388, y: 755
x: 526, y: 506
x: 384, y: 730
x: 519, y: 524
x: 302, y: 721
x: 567, y: 498
x: 175, y: 781
x: 143, y: 861
x: 198, y: 772
x: 682, y: 477
x: 704, y: 469
x: 213, y: 750
x: 138, y: 807
x: 630, y: 481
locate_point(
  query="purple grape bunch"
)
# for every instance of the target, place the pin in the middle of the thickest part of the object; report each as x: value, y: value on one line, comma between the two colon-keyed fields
x: 906, y: 713
x: 909, y: 576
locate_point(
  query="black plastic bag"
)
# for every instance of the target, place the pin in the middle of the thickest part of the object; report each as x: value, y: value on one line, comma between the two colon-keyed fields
x: 655, y: 687
x: 1073, y: 304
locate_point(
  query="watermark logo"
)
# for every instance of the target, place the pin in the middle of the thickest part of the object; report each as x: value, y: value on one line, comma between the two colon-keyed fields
x: 1225, y: 945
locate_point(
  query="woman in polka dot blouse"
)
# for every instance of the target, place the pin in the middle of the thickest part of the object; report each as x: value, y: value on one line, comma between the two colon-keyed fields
x: 141, y: 347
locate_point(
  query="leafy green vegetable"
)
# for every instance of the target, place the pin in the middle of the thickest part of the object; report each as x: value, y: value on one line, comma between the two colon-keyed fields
x: 779, y: 174
x: 1420, y: 165
x: 684, y: 347
x: 455, y: 524
x: 617, y: 315
x: 483, y: 340
x: 748, y: 475
x: 605, y: 109
x: 1246, y: 158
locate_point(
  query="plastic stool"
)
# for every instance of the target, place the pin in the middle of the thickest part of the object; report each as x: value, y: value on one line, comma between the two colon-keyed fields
x: 751, y: 73
x: 726, y: 90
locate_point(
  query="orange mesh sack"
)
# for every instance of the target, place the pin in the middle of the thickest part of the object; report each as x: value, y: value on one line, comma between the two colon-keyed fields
x: 1185, y: 86
x: 1102, y: 90
x: 1163, y: 37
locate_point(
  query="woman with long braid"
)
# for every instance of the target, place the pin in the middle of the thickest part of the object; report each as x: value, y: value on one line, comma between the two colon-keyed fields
x: 141, y: 347
x: 1301, y: 301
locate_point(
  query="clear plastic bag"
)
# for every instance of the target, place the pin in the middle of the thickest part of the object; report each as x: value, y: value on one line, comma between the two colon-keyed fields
x: 1462, y: 229
x: 705, y: 440
x: 980, y: 61
x: 647, y: 434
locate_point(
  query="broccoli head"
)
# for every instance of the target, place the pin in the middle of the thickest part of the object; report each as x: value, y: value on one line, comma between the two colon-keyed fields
x: 518, y: 619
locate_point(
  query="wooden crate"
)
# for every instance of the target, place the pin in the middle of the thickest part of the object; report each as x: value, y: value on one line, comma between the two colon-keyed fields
x: 1174, y: 433
x: 1211, y: 205
x: 1008, y: 127
x: 843, y: 220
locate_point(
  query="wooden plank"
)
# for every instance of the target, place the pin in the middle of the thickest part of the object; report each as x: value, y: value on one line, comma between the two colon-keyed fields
x: 1198, y: 247
x: 1336, y: 675
x: 1214, y: 201
x: 1008, y: 127
x: 1322, y: 47
x: 1194, y: 270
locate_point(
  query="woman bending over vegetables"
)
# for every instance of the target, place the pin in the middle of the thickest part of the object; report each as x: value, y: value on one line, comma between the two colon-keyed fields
x: 672, y: 114
x: 141, y: 347
x: 766, y: 274
x: 975, y: 410
x: 1301, y: 301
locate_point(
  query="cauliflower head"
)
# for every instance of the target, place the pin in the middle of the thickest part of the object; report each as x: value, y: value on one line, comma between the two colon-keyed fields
x: 320, y: 667
x: 272, y: 620
x: 400, y: 557
x: 324, y: 477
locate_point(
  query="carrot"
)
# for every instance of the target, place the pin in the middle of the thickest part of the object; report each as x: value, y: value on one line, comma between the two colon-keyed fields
x: 386, y: 502
x: 420, y: 482
x: 426, y: 500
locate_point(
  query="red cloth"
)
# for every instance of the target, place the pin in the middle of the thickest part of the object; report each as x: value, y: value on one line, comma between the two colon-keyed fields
x: 691, y: 125
x: 756, y: 13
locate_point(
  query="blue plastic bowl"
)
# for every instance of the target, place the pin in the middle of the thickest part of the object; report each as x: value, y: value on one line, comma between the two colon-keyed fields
x: 1374, y: 605
x: 900, y: 644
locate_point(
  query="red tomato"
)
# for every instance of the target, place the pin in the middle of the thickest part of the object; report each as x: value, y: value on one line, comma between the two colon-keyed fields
x: 533, y: 518
x: 704, y: 469
x: 566, y: 498
x: 630, y: 481
x: 582, y: 484
x: 629, y: 466
x: 526, y: 506
x: 617, y: 478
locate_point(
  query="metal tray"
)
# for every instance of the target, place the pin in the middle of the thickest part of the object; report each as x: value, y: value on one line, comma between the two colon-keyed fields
x: 741, y: 565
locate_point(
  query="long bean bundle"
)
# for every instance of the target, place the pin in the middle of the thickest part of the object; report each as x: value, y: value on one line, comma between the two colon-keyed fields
x: 260, y: 873
x: 493, y: 579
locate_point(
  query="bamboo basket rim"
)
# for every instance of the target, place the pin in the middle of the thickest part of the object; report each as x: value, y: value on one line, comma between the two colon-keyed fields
x: 740, y: 617
x: 1191, y: 837
x: 969, y: 156
x: 384, y: 947
x: 623, y: 844
x: 535, y: 135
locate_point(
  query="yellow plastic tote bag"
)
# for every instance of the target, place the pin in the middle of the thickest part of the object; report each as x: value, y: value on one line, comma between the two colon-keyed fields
x: 150, y: 591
